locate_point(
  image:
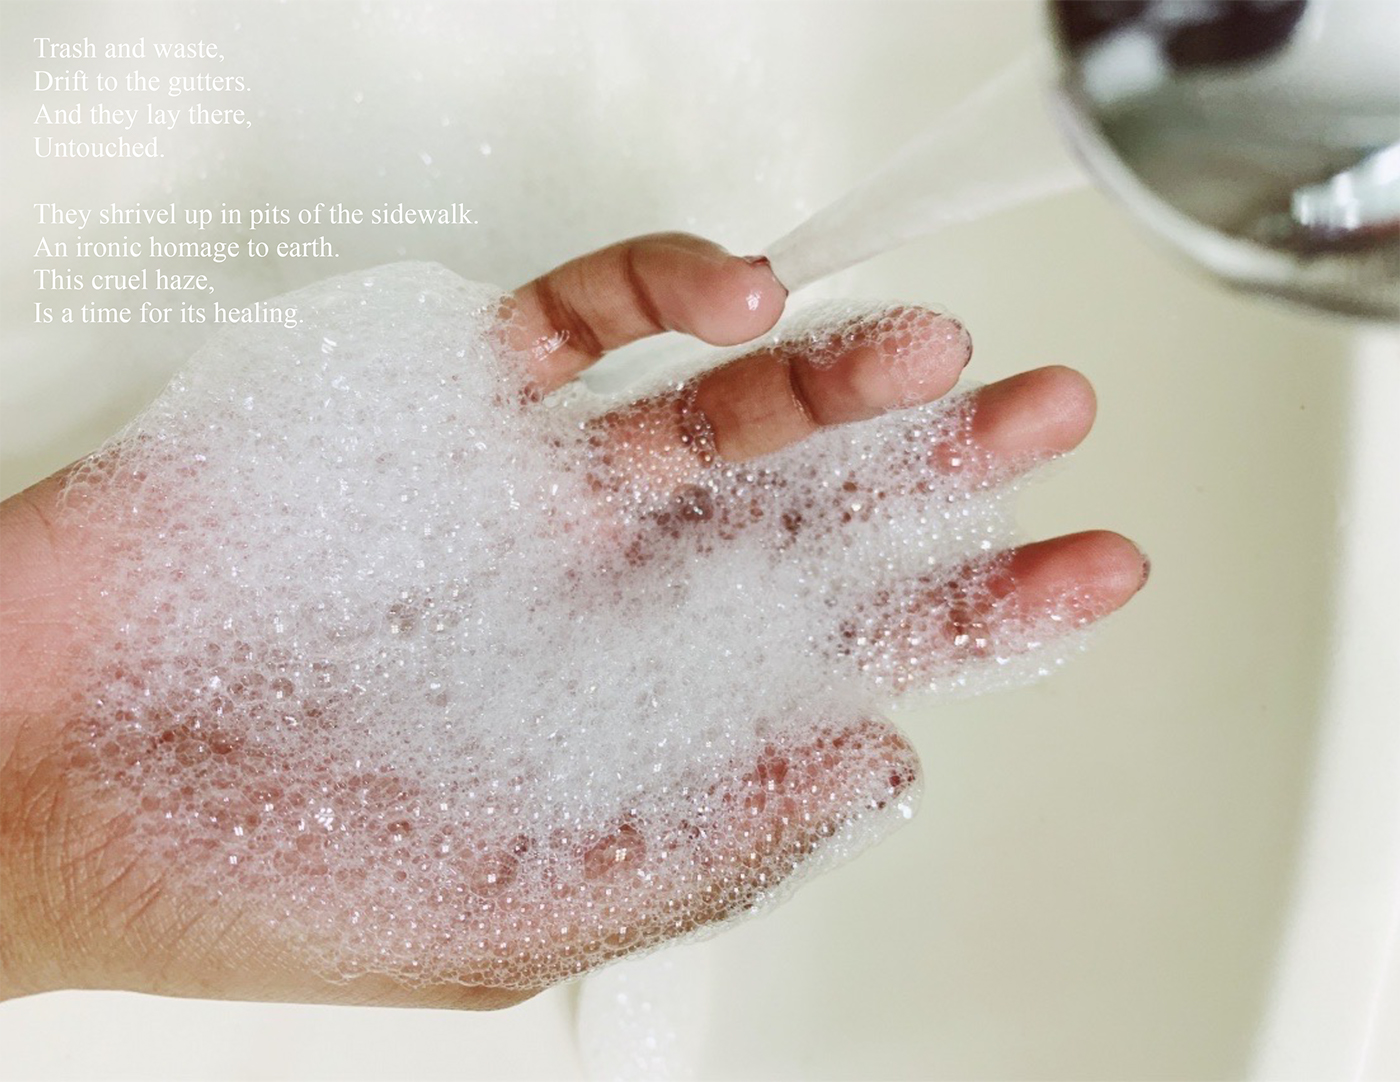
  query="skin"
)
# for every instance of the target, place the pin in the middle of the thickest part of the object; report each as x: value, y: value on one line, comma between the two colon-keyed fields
x: 76, y: 911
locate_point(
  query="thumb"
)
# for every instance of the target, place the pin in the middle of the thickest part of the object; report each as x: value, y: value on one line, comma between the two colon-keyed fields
x: 115, y: 920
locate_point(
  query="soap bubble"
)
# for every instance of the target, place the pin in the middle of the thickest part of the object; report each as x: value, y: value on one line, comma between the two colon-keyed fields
x: 436, y: 681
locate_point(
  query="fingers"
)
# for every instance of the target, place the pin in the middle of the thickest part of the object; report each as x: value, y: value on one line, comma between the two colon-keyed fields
x: 1017, y: 422
x: 773, y: 398
x: 667, y: 443
x: 568, y: 318
x: 996, y: 609
x: 647, y: 882
x: 769, y: 399
x: 766, y: 826
x: 748, y: 835
x: 1076, y: 579
x: 644, y: 883
x: 1097, y: 572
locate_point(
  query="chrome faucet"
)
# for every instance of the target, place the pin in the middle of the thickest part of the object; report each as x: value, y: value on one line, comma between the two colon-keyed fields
x: 1261, y: 138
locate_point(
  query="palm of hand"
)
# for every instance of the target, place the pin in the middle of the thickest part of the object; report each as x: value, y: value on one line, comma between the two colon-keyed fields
x: 441, y: 689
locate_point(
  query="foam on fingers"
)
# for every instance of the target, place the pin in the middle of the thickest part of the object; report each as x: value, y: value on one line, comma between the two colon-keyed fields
x: 406, y: 669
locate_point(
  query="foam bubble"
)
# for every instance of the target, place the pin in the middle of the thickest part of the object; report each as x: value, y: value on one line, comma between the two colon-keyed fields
x: 445, y: 684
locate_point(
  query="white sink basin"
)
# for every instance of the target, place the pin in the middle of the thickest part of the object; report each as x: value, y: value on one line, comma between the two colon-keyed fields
x: 1101, y: 881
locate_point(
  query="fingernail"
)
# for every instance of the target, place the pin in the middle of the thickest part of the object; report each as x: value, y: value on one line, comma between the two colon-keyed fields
x: 958, y: 336
x: 965, y: 339
x: 764, y: 261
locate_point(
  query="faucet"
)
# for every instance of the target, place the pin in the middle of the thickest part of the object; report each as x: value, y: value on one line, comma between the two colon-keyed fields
x: 1260, y: 138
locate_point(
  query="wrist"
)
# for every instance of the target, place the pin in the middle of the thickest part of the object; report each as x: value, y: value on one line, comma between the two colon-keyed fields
x: 37, y: 633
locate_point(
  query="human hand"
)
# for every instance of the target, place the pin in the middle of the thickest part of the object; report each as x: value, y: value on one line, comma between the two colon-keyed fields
x: 87, y: 904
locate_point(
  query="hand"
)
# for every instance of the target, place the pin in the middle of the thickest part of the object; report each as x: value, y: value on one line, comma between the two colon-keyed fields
x: 86, y: 905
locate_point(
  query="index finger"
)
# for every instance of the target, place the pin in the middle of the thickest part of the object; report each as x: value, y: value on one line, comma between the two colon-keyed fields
x: 567, y: 319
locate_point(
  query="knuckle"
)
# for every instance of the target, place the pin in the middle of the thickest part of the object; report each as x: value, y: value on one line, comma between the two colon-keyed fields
x: 565, y: 317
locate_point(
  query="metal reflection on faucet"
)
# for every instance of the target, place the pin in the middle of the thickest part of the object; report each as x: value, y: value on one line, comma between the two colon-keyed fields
x: 1261, y: 138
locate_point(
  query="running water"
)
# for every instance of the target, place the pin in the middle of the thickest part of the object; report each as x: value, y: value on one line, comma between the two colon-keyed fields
x: 440, y: 684
x: 997, y: 149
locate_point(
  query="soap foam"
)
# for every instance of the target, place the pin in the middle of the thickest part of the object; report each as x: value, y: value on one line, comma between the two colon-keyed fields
x: 442, y: 683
